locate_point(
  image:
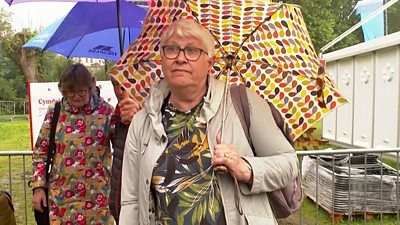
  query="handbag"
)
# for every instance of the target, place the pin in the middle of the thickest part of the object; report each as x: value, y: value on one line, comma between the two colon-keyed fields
x: 284, y: 201
x: 43, y: 218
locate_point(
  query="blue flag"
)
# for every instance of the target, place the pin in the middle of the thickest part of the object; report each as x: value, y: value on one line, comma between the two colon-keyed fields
x: 375, y: 27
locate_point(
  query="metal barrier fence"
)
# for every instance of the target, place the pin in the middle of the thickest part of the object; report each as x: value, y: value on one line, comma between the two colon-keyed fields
x: 26, y: 107
x: 7, y: 109
x: 13, y: 111
x: 11, y: 166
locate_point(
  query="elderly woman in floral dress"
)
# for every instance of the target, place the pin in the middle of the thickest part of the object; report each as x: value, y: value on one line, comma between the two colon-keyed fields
x: 79, y: 180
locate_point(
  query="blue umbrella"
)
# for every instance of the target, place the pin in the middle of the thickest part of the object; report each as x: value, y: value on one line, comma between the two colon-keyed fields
x: 91, y: 30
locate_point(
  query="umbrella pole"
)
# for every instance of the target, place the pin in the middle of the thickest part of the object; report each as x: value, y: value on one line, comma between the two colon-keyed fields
x: 121, y: 43
x: 224, y: 102
x: 224, y: 169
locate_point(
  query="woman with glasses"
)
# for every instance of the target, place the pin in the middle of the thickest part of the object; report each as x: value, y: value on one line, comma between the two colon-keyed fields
x: 78, y: 184
x: 174, y: 145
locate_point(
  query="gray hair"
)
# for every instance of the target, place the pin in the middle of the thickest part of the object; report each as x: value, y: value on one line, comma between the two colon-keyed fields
x: 190, y: 28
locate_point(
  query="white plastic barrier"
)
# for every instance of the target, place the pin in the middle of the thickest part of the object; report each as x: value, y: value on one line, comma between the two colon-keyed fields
x: 368, y: 76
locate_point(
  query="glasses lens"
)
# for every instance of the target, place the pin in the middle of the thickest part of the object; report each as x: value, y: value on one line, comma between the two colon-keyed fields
x: 171, y: 51
x: 82, y: 92
x: 70, y: 94
x: 192, y: 54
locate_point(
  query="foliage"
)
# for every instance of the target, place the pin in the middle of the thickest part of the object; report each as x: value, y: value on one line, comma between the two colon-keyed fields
x: 12, y: 82
x: 393, y: 18
x: 328, y: 19
x: 51, y: 66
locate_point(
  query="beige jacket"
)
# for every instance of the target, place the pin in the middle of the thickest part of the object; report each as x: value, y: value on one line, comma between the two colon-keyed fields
x: 274, y: 167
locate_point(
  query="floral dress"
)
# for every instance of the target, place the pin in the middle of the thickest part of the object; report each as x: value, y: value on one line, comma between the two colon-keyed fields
x: 79, y: 180
x: 184, y: 182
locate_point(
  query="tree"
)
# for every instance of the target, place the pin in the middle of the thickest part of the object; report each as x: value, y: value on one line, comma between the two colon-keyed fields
x: 393, y: 18
x: 26, y: 59
x: 328, y: 19
x: 7, y: 66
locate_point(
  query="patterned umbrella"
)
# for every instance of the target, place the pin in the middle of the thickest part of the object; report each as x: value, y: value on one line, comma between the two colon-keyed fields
x: 262, y: 44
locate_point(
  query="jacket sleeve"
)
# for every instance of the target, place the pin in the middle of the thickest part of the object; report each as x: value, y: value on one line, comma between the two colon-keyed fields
x: 129, y: 214
x: 276, y: 163
x: 39, y: 155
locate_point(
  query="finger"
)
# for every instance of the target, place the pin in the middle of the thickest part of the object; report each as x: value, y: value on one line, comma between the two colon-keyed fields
x: 37, y: 205
x: 38, y: 208
x: 44, y: 201
x: 218, y: 138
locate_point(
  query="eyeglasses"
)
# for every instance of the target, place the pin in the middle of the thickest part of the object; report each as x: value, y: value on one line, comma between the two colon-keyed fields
x: 190, y: 53
x: 81, y: 93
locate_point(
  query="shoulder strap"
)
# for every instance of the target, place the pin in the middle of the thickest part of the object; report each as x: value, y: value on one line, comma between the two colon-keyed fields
x: 241, y: 104
x: 52, y: 144
x: 280, y: 122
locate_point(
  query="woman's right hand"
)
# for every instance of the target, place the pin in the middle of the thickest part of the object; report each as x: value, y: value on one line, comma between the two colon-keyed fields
x: 39, y: 199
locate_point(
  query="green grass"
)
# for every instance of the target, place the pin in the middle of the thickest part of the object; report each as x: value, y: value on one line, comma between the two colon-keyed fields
x: 16, y: 136
x: 309, y: 211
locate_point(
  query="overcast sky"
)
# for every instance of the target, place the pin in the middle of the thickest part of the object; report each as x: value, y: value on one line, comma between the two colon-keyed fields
x: 36, y: 15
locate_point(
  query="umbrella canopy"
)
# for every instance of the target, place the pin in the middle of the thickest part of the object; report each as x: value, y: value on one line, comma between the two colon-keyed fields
x: 91, y: 30
x: 264, y: 45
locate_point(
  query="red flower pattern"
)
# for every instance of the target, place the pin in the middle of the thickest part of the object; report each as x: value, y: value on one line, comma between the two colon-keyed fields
x: 69, y: 161
x: 89, y: 141
x: 100, y: 199
x: 80, y: 154
x: 79, y: 123
x: 44, y: 143
x: 69, y: 194
x: 80, y: 186
x: 99, y: 168
x: 61, y: 148
x: 69, y: 129
x: 99, y: 134
x: 80, y: 218
x: 62, y: 212
x: 89, y: 173
x: 61, y: 181
x: 89, y: 205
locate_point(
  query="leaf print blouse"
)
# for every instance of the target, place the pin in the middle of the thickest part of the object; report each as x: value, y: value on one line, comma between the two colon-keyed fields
x: 184, y: 183
x: 79, y: 179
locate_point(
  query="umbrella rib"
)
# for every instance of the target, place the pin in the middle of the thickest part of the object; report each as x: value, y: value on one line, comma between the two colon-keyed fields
x: 253, y: 31
x: 76, y: 45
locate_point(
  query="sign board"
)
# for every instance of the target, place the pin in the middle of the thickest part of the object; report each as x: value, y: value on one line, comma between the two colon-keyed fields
x: 41, y: 95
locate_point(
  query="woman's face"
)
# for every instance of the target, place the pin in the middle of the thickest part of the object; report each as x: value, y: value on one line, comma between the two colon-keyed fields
x: 79, y: 97
x: 181, y: 72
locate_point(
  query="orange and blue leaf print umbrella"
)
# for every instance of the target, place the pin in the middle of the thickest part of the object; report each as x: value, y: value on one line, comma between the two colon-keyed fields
x: 262, y: 44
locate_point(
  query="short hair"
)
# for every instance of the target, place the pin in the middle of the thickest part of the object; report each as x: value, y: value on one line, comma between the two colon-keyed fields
x: 75, y: 77
x: 190, y: 28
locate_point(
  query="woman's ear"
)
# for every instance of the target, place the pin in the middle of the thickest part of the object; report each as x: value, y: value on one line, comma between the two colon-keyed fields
x: 211, y: 61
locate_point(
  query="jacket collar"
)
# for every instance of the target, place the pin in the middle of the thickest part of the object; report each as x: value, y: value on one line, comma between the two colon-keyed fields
x: 160, y: 90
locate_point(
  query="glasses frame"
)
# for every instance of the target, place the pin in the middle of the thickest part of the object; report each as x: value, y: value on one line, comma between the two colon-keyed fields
x: 184, y: 52
x: 81, y: 93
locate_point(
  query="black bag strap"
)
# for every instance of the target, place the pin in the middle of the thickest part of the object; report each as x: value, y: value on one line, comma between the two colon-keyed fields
x: 241, y: 104
x: 52, y: 144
